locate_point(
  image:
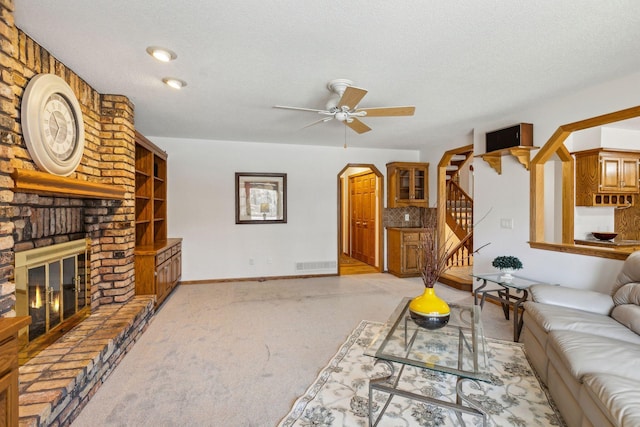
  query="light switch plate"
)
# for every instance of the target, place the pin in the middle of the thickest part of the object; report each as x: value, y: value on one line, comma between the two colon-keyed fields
x: 506, y: 223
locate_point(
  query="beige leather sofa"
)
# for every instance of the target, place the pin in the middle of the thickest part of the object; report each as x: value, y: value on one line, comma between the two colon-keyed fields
x: 585, y: 346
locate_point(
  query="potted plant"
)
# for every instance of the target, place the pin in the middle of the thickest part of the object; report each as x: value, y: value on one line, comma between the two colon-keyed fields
x: 507, y: 264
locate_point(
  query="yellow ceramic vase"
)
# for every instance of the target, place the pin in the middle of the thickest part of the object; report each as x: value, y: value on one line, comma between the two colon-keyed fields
x: 429, y: 311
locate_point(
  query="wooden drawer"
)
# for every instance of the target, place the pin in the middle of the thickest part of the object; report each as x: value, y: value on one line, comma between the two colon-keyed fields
x: 175, y: 249
x: 410, y: 237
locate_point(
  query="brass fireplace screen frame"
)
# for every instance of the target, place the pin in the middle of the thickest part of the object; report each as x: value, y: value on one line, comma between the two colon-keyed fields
x: 49, y: 263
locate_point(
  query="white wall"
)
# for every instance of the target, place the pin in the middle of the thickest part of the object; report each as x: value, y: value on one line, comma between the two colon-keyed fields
x: 620, y: 138
x: 201, y: 205
x: 507, y: 195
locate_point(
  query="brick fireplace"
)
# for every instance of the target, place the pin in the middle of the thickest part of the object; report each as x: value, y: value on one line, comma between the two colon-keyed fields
x: 95, y: 203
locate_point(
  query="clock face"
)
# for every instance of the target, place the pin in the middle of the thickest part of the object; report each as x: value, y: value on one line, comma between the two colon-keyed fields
x: 52, y: 124
x: 59, y: 127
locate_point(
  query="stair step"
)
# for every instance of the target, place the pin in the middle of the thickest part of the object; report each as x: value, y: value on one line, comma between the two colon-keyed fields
x: 458, y: 158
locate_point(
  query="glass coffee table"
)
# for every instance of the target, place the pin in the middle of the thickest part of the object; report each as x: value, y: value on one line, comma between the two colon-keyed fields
x: 458, y: 349
x: 511, y: 292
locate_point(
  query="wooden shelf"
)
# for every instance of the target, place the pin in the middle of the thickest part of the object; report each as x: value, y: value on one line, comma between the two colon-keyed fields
x: 521, y: 153
x: 29, y: 181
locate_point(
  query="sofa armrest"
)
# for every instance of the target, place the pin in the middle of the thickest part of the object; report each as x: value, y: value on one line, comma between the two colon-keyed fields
x: 579, y: 299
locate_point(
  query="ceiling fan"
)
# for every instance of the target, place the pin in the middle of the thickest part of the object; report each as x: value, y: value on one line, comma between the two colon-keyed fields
x: 343, y: 106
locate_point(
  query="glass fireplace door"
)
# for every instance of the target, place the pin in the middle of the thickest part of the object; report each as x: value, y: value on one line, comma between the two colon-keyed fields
x: 52, y: 286
x: 57, y: 291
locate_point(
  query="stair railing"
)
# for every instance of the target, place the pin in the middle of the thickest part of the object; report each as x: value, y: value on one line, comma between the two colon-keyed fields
x: 459, y: 215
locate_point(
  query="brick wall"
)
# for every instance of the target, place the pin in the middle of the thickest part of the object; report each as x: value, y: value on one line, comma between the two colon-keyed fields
x: 32, y: 220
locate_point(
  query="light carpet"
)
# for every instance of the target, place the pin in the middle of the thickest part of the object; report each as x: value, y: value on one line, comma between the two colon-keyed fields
x: 340, y: 394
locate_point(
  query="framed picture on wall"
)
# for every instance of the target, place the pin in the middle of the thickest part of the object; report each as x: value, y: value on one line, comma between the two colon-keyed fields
x: 261, y: 198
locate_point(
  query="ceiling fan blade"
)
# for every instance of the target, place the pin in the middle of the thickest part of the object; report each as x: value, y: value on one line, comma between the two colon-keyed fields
x: 358, y: 126
x: 298, y: 108
x: 388, y: 111
x: 351, y: 97
x: 326, y: 119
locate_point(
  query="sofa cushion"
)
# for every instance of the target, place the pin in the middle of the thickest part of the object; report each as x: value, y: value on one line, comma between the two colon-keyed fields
x: 616, y: 397
x: 628, y: 315
x: 579, y: 299
x: 585, y: 353
x: 628, y: 294
x: 629, y: 273
x: 552, y: 317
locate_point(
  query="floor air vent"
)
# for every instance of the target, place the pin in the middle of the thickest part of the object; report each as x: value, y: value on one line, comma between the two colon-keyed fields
x: 316, y: 266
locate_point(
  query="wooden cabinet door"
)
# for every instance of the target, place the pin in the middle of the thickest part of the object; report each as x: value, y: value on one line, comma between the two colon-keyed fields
x: 629, y: 174
x: 411, y: 259
x: 419, y: 182
x: 619, y: 173
x: 411, y: 253
x: 404, y: 186
x: 609, y: 174
x: 408, y: 184
x: 162, y: 278
x: 176, y: 265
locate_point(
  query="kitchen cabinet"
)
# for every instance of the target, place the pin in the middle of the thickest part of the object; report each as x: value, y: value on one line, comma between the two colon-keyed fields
x: 607, y: 177
x: 408, y: 184
x: 404, y: 251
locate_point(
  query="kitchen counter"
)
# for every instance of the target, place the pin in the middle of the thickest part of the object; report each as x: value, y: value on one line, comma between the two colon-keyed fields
x: 627, y: 244
x: 416, y: 229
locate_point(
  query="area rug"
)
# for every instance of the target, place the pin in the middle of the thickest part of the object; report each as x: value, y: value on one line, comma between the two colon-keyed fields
x: 340, y: 394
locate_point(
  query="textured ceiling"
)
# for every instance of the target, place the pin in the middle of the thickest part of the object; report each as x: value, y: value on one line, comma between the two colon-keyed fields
x: 460, y: 62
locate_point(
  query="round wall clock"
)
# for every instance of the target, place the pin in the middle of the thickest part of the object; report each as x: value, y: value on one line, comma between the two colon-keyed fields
x: 52, y: 124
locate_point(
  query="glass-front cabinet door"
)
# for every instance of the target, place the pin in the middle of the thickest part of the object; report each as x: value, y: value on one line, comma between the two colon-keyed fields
x: 418, y: 184
x: 408, y: 184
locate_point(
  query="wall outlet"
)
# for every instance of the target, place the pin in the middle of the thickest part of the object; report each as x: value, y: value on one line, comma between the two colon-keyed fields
x: 506, y: 223
x: 406, y: 217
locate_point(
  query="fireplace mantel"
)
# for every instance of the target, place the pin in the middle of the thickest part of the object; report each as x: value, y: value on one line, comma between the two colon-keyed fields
x: 29, y: 181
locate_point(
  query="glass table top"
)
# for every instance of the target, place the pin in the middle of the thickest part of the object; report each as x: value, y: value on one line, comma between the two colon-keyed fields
x: 515, y: 282
x: 459, y: 348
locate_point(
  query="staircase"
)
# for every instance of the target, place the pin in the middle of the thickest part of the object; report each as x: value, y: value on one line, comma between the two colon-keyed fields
x: 458, y: 217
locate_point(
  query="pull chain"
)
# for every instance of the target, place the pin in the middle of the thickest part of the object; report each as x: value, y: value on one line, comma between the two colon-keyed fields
x: 345, y: 136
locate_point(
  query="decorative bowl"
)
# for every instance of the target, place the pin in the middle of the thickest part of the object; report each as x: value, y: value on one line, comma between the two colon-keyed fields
x: 603, y: 235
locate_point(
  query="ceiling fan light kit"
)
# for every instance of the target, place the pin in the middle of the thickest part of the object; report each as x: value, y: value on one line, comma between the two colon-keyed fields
x: 343, y: 106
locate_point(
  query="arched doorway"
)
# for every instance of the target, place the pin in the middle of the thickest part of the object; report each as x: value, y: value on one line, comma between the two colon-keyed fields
x: 360, y: 204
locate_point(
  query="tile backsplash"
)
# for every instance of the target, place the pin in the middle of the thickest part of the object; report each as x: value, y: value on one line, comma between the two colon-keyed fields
x: 395, y: 217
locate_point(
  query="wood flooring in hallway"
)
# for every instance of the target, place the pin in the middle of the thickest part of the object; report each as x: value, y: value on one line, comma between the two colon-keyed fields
x: 350, y: 265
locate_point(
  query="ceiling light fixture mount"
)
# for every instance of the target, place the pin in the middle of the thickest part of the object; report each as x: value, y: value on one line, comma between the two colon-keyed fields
x: 161, y: 54
x: 174, y: 83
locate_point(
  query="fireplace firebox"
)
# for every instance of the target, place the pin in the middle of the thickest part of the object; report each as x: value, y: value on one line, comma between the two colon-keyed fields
x: 52, y: 286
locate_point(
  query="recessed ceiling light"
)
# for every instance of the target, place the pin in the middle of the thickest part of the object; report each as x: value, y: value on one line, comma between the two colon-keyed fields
x: 161, y: 54
x: 174, y: 83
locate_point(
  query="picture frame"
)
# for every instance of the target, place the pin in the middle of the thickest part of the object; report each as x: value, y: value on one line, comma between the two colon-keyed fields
x: 261, y: 198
